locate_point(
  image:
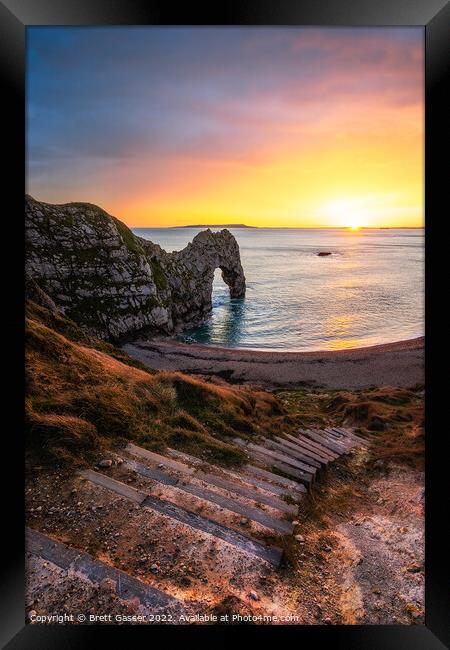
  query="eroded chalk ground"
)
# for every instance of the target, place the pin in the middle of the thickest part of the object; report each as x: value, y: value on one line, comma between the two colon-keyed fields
x: 385, y: 545
x: 356, y: 557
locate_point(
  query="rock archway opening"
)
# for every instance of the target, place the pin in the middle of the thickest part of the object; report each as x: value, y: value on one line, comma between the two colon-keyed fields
x: 227, y: 284
x: 234, y: 279
x: 220, y: 289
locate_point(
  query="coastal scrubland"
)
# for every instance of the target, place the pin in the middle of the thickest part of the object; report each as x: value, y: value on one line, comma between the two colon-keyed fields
x: 84, y: 395
x: 357, y: 553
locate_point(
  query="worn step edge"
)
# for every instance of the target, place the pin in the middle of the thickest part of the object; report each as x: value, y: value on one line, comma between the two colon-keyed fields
x: 235, y: 474
x: 324, y: 441
x: 279, y: 525
x: 322, y: 460
x: 334, y: 434
x: 300, y: 446
x: 287, y: 461
x: 333, y: 455
x: 122, y: 489
x: 271, y: 501
x: 66, y: 557
x: 313, y: 446
x: 352, y: 435
x: 327, y: 442
x: 283, y: 458
x: 245, y: 543
x: 275, y: 489
x: 294, y: 473
x: 187, y: 458
x: 295, y: 486
x: 229, y: 478
x: 346, y: 440
x: 266, y: 483
x: 212, y: 479
x: 344, y: 445
x: 343, y: 433
x: 295, y: 453
x: 157, y: 458
x: 251, y: 448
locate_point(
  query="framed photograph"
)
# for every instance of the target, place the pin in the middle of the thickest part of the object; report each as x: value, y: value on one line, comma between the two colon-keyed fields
x: 218, y: 380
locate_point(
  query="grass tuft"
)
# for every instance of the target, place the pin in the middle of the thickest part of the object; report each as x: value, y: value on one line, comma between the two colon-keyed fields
x: 83, y: 394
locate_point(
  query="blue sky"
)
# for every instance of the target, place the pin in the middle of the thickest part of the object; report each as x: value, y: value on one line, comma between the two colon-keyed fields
x: 156, y: 124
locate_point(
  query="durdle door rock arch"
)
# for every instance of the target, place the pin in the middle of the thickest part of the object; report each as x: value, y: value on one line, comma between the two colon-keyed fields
x: 117, y: 285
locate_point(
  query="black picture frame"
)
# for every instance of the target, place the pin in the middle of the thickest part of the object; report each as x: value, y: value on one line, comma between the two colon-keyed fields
x: 15, y: 16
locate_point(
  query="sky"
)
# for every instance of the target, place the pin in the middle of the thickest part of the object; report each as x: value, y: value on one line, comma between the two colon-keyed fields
x: 277, y: 127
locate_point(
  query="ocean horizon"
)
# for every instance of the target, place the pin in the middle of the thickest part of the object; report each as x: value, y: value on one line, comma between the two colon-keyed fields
x: 369, y: 291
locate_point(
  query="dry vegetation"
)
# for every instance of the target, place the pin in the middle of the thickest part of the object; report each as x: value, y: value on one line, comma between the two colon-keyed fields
x: 84, y: 395
x: 391, y: 418
x: 366, y: 504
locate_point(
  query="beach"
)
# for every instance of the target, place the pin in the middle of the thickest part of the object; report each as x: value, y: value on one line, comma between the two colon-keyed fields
x: 392, y: 364
x: 368, y: 291
x: 224, y: 350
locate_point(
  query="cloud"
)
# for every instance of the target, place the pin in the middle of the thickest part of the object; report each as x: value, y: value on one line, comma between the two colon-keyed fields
x: 144, y: 102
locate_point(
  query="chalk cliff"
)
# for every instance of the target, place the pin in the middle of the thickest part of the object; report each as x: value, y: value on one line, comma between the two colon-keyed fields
x: 117, y: 285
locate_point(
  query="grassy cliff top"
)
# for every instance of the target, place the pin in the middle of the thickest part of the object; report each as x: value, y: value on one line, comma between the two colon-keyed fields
x: 84, y: 395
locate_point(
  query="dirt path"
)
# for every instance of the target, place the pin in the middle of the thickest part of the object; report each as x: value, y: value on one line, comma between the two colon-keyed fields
x: 393, y: 364
x: 372, y: 532
x: 385, y: 542
x: 356, y: 555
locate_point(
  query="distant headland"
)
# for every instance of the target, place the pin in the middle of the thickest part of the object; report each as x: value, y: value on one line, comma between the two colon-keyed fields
x: 215, y: 225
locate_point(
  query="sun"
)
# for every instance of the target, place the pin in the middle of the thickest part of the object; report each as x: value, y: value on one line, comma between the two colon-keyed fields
x: 346, y: 213
x: 354, y: 224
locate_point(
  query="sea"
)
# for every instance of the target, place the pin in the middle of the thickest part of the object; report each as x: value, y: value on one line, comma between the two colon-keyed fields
x: 370, y: 290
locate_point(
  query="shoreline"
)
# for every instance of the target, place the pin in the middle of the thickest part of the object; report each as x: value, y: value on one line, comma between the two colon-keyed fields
x: 401, y: 344
x: 400, y: 363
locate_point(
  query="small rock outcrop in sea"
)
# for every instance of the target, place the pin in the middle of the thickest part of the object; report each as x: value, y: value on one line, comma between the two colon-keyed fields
x: 117, y: 285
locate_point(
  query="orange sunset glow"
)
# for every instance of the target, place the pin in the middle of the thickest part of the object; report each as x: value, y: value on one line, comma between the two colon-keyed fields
x: 307, y: 127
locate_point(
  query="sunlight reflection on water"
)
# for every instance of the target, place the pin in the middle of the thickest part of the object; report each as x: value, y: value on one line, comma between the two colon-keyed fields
x: 369, y: 291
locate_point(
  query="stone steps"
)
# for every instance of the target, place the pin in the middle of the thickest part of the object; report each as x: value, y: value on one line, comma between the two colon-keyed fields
x: 288, y: 465
x: 125, y: 586
x: 241, y: 484
x: 224, y: 501
x: 267, y: 481
x: 264, y: 511
x: 231, y: 489
x: 235, y: 482
x: 313, y: 445
x: 325, y: 440
x: 188, y: 517
x: 350, y: 434
x: 321, y: 459
x: 295, y: 453
x: 176, y: 549
x: 214, y: 500
x: 171, y: 529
